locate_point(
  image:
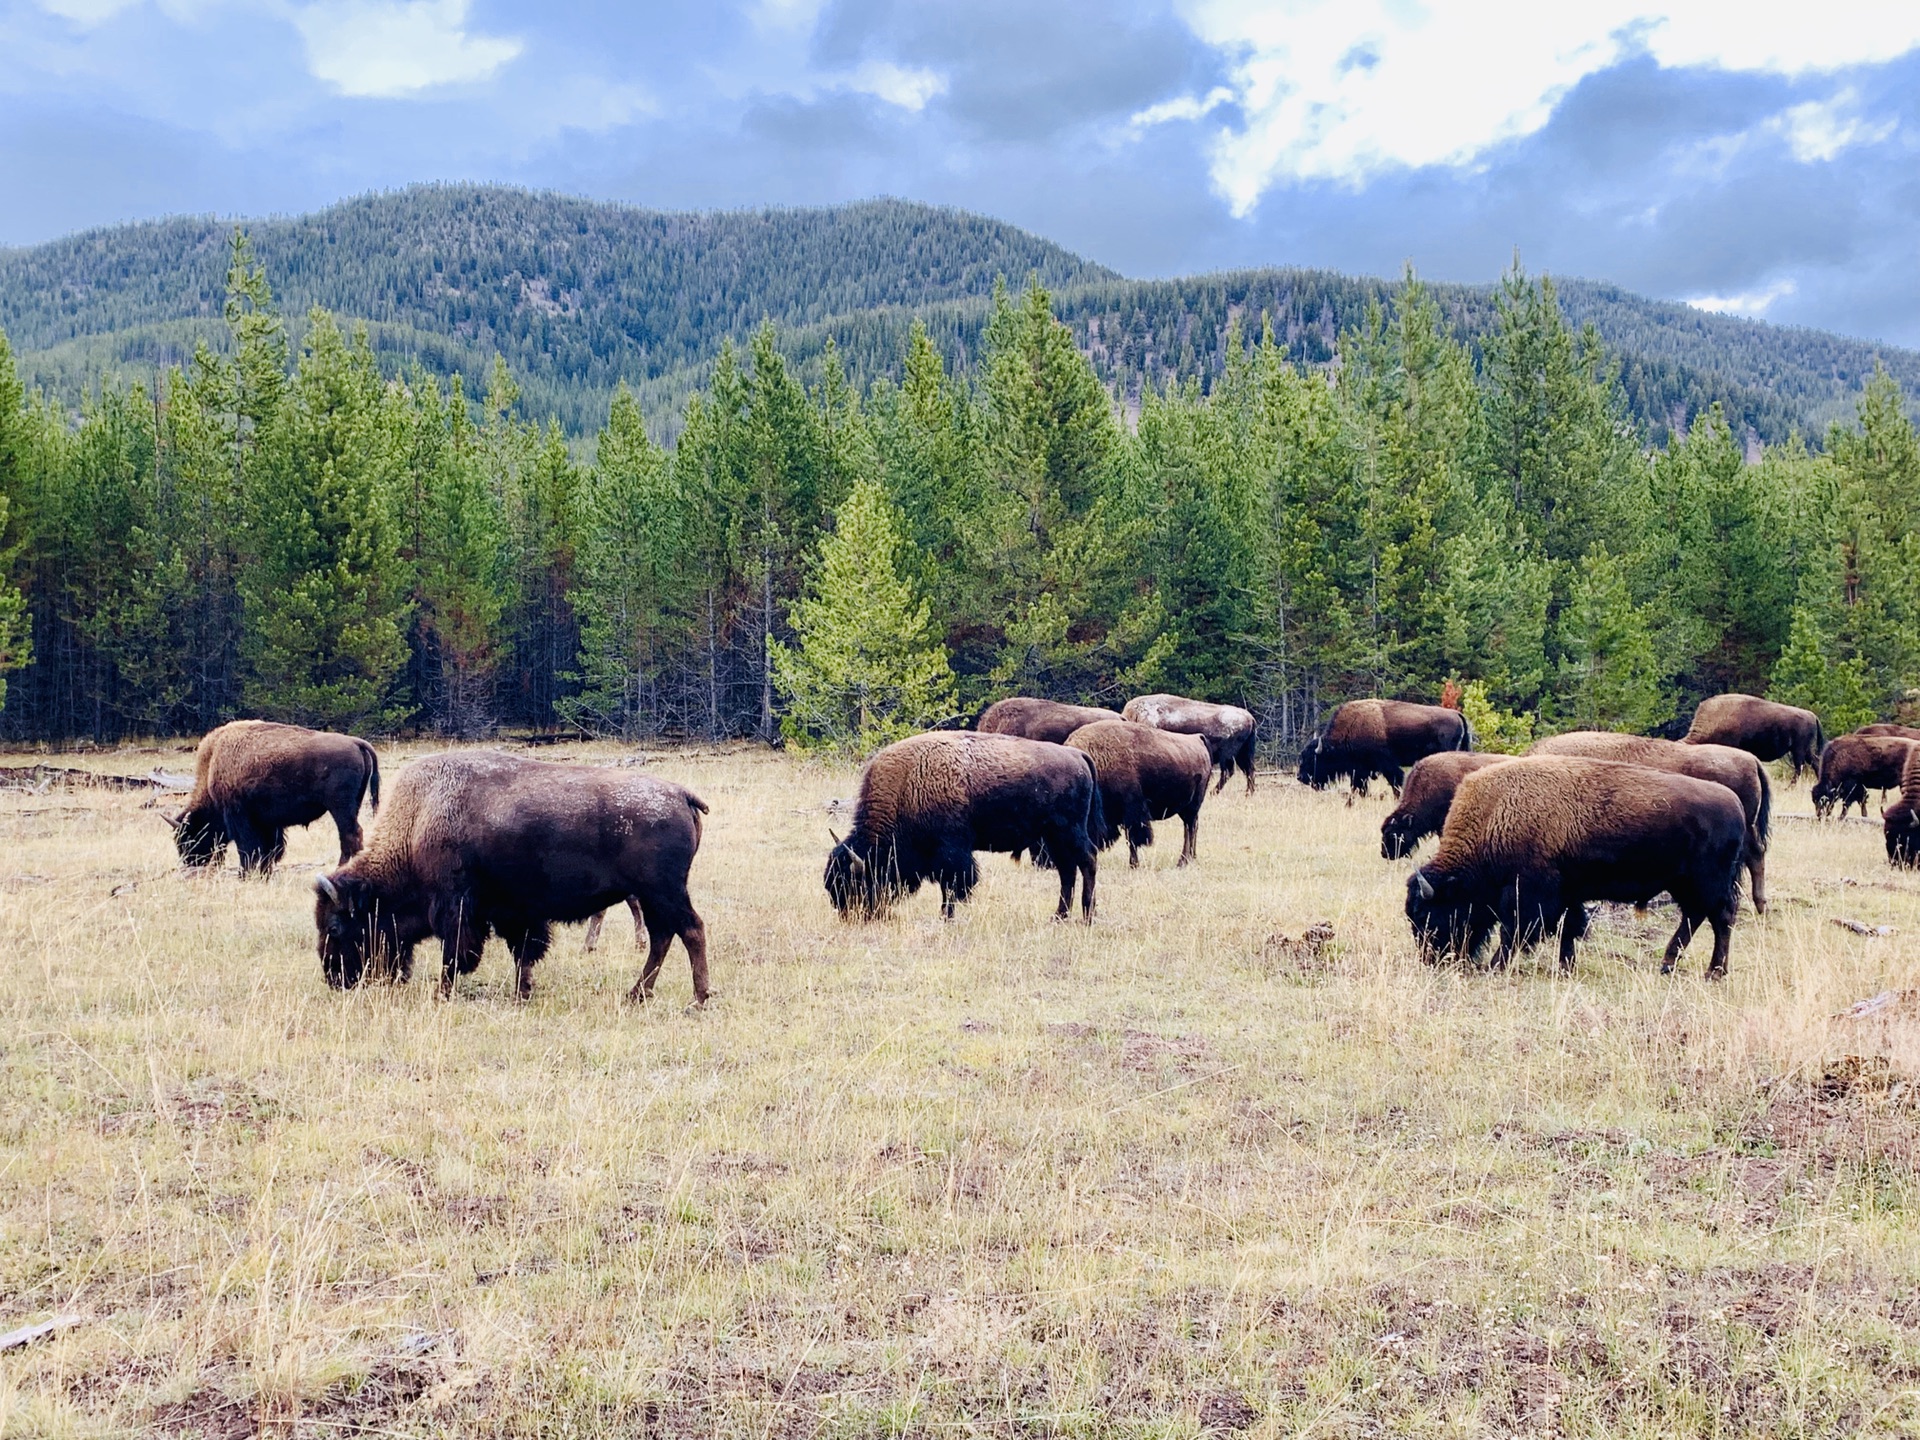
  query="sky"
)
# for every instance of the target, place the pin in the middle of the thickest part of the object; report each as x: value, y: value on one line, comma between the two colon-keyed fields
x: 1748, y: 156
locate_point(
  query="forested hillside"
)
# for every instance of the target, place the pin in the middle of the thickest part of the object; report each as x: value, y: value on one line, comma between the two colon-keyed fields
x: 279, y: 528
x: 578, y: 296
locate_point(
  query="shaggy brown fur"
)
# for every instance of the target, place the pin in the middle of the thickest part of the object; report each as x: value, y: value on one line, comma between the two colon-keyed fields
x: 1902, y: 834
x: 1529, y: 843
x: 483, y: 842
x: 1231, y: 733
x: 1739, y: 771
x: 927, y: 803
x: 1426, y: 797
x: 1032, y: 719
x: 1764, y: 729
x: 1853, y: 764
x: 1904, y: 732
x: 253, y: 780
x: 1380, y: 737
x: 1146, y: 775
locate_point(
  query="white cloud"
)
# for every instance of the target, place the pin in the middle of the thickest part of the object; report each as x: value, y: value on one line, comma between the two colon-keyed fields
x: 1821, y: 129
x: 1183, y: 107
x: 907, y: 86
x: 1342, y: 89
x: 388, y: 48
x: 1751, y: 303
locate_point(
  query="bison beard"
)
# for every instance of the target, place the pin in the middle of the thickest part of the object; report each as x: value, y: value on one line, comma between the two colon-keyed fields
x: 926, y: 804
x: 1530, y: 843
x: 484, y: 843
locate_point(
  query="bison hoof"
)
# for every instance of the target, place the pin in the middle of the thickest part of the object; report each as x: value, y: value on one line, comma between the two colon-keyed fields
x: 1716, y: 972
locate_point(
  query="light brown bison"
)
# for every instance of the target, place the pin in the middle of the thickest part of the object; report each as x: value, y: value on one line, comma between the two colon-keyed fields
x: 927, y: 803
x: 1853, y: 764
x: 1530, y: 843
x: 482, y: 842
x: 253, y: 780
x: 1764, y: 729
x: 1380, y: 737
x: 1738, y: 770
x: 1032, y: 719
x: 1426, y: 797
x: 1230, y: 732
x: 1145, y: 775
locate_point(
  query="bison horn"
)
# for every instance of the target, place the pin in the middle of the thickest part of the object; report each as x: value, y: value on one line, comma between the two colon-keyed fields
x: 859, y: 866
x: 836, y: 838
x: 324, y: 885
x: 1424, y: 885
x: 173, y: 817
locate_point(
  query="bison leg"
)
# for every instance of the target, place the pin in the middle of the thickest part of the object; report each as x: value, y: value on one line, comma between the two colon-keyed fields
x: 528, y: 946
x: 248, y: 842
x: 347, y: 822
x: 1246, y: 762
x: 461, y: 944
x: 662, y: 926
x: 1573, y: 925
x: 1722, y: 922
x: 1395, y: 778
x: 593, y: 932
x: 1757, y: 873
x: 1190, y: 840
x: 1682, y: 935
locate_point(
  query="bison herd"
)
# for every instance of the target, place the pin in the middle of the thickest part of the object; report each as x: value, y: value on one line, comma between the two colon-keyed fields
x: 482, y: 843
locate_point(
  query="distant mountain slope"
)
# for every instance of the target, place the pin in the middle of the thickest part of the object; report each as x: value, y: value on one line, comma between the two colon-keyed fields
x: 578, y: 295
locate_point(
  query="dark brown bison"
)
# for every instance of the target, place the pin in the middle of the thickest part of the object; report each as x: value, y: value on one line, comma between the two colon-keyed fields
x: 1739, y: 771
x: 1426, y: 797
x: 1853, y: 764
x: 1902, y: 833
x: 253, y: 780
x: 1145, y: 775
x: 1230, y: 732
x: 1380, y: 737
x: 481, y: 843
x: 1032, y: 719
x: 1764, y: 729
x: 927, y: 803
x: 1529, y: 843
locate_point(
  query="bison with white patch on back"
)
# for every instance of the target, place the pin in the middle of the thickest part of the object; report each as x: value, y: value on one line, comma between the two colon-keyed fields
x: 1853, y: 764
x: 1230, y: 731
x: 482, y: 842
x: 1528, y: 844
x: 254, y: 779
x: 1380, y: 737
x: 927, y: 803
x: 1739, y: 771
x: 1031, y: 719
x: 1144, y: 775
x: 1426, y: 797
x: 1765, y: 729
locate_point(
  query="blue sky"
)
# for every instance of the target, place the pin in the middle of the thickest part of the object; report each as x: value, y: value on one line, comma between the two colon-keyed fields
x: 1747, y: 155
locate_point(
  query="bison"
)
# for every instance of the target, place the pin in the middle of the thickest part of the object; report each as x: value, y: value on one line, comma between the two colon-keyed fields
x: 1739, y: 771
x: 1764, y: 729
x: 1229, y: 731
x: 1529, y: 843
x: 1904, y: 732
x: 927, y: 803
x: 253, y: 779
x: 1426, y: 797
x: 1145, y: 775
x: 482, y: 842
x: 1903, y: 835
x: 1853, y: 764
x: 1380, y: 737
x: 1032, y: 719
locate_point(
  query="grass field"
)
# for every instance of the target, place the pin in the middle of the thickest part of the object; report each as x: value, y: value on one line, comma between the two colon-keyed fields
x: 1177, y: 1173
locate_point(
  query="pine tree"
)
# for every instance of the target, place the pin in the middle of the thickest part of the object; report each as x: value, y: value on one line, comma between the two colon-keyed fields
x: 867, y: 666
x: 1612, y: 676
x: 1807, y: 675
x: 16, y: 636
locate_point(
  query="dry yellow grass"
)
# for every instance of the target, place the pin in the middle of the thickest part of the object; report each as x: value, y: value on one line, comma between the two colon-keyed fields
x: 1161, y: 1176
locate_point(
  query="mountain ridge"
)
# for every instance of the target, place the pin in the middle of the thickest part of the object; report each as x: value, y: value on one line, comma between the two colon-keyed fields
x: 579, y: 295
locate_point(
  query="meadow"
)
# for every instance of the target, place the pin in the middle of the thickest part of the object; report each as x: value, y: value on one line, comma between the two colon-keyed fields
x: 1230, y: 1160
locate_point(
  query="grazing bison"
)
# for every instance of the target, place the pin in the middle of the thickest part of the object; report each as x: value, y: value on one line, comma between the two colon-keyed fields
x: 1426, y: 797
x: 1529, y: 843
x: 1739, y: 771
x: 1032, y: 719
x: 927, y: 803
x: 1853, y: 764
x: 1145, y: 775
x: 253, y: 779
x: 481, y: 843
x: 1903, y: 835
x: 1763, y: 728
x: 1380, y: 737
x: 1230, y: 732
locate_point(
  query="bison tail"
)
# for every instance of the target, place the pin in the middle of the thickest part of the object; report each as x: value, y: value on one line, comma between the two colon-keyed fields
x: 1096, y: 810
x: 1763, y: 822
x: 1466, y: 732
x: 373, y: 775
x: 696, y: 804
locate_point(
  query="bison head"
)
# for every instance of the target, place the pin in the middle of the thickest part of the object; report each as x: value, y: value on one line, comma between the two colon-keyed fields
x: 1312, y: 770
x: 1445, y: 919
x: 1824, y: 796
x: 859, y: 883
x: 356, y: 933
x: 199, y: 836
x: 1397, y: 837
x: 1903, y: 836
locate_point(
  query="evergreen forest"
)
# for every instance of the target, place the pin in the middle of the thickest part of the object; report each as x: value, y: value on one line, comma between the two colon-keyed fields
x: 286, y: 523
